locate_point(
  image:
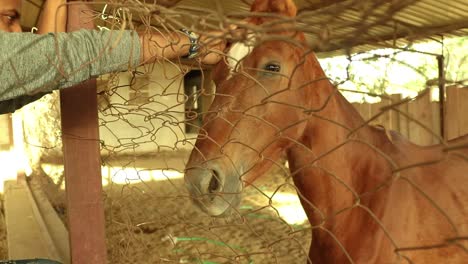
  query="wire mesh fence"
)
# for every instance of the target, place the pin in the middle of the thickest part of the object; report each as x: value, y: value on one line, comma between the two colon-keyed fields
x: 369, y: 196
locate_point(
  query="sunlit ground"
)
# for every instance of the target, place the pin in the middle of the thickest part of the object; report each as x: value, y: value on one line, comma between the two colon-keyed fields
x: 14, y: 160
x: 116, y: 175
x: 289, y: 207
x: 9, y: 168
x: 287, y: 204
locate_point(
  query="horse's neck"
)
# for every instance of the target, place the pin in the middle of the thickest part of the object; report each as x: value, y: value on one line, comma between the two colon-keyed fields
x: 332, y: 169
x: 336, y: 122
x: 334, y: 153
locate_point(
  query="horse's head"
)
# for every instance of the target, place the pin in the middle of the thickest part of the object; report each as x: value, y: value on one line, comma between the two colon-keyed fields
x: 258, y: 111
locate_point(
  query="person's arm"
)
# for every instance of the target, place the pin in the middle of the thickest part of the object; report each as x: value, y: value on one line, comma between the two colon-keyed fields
x: 156, y: 46
x: 53, y: 17
x: 41, y: 63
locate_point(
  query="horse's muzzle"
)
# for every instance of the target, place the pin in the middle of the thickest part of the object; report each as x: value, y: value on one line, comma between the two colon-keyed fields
x: 212, y: 190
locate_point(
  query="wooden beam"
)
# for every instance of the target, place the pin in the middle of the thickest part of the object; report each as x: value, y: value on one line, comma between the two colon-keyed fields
x: 80, y: 135
x: 308, y: 5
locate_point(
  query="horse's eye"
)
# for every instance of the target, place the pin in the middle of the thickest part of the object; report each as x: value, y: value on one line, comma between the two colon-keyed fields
x: 271, y: 67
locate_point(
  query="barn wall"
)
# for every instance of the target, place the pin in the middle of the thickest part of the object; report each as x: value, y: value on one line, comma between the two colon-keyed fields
x: 146, y: 116
x: 125, y: 127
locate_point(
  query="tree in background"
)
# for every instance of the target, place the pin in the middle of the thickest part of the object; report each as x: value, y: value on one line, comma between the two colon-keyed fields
x: 406, y: 71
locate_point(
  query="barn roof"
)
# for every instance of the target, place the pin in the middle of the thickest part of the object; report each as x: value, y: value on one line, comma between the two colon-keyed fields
x: 345, y: 25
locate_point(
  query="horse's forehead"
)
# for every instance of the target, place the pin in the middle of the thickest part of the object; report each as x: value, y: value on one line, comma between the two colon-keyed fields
x: 241, y: 50
x: 274, y: 50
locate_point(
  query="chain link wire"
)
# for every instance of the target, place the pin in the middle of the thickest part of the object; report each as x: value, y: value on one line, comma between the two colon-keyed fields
x: 150, y: 117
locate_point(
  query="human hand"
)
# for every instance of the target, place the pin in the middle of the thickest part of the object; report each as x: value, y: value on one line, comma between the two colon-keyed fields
x: 215, y: 43
x: 212, y: 46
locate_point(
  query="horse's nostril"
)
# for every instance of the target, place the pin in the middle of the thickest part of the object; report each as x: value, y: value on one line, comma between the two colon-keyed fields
x: 215, y: 182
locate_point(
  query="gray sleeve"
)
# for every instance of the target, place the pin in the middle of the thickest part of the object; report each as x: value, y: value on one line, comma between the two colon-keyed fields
x: 32, y: 65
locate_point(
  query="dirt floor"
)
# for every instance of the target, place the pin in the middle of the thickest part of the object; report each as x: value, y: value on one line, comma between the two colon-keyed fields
x: 155, y: 222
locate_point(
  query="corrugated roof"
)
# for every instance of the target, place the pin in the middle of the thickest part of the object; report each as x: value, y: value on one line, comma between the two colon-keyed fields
x: 353, y: 25
x: 358, y: 25
x: 381, y: 24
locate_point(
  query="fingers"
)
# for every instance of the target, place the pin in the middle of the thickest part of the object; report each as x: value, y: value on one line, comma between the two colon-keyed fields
x: 212, y: 46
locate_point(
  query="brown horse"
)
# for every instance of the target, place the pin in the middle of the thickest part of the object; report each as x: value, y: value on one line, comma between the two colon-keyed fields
x: 371, y: 196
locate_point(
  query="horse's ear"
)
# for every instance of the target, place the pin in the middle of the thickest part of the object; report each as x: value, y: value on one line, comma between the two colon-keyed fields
x: 281, y: 7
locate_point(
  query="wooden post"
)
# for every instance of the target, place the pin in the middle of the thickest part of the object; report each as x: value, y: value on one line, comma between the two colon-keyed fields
x: 6, y: 132
x: 440, y: 63
x: 436, y: 122
x: 80, y: 135
x: 463, y: 108
x: 403, y: 120
x: 456, y: 124
x: 421, y: 111
x: 451, y: 114
x: 394, y: 115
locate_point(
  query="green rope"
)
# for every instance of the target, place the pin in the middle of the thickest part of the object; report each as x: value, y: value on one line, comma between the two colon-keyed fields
x: 215, y: 242
x: 218, y: 243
